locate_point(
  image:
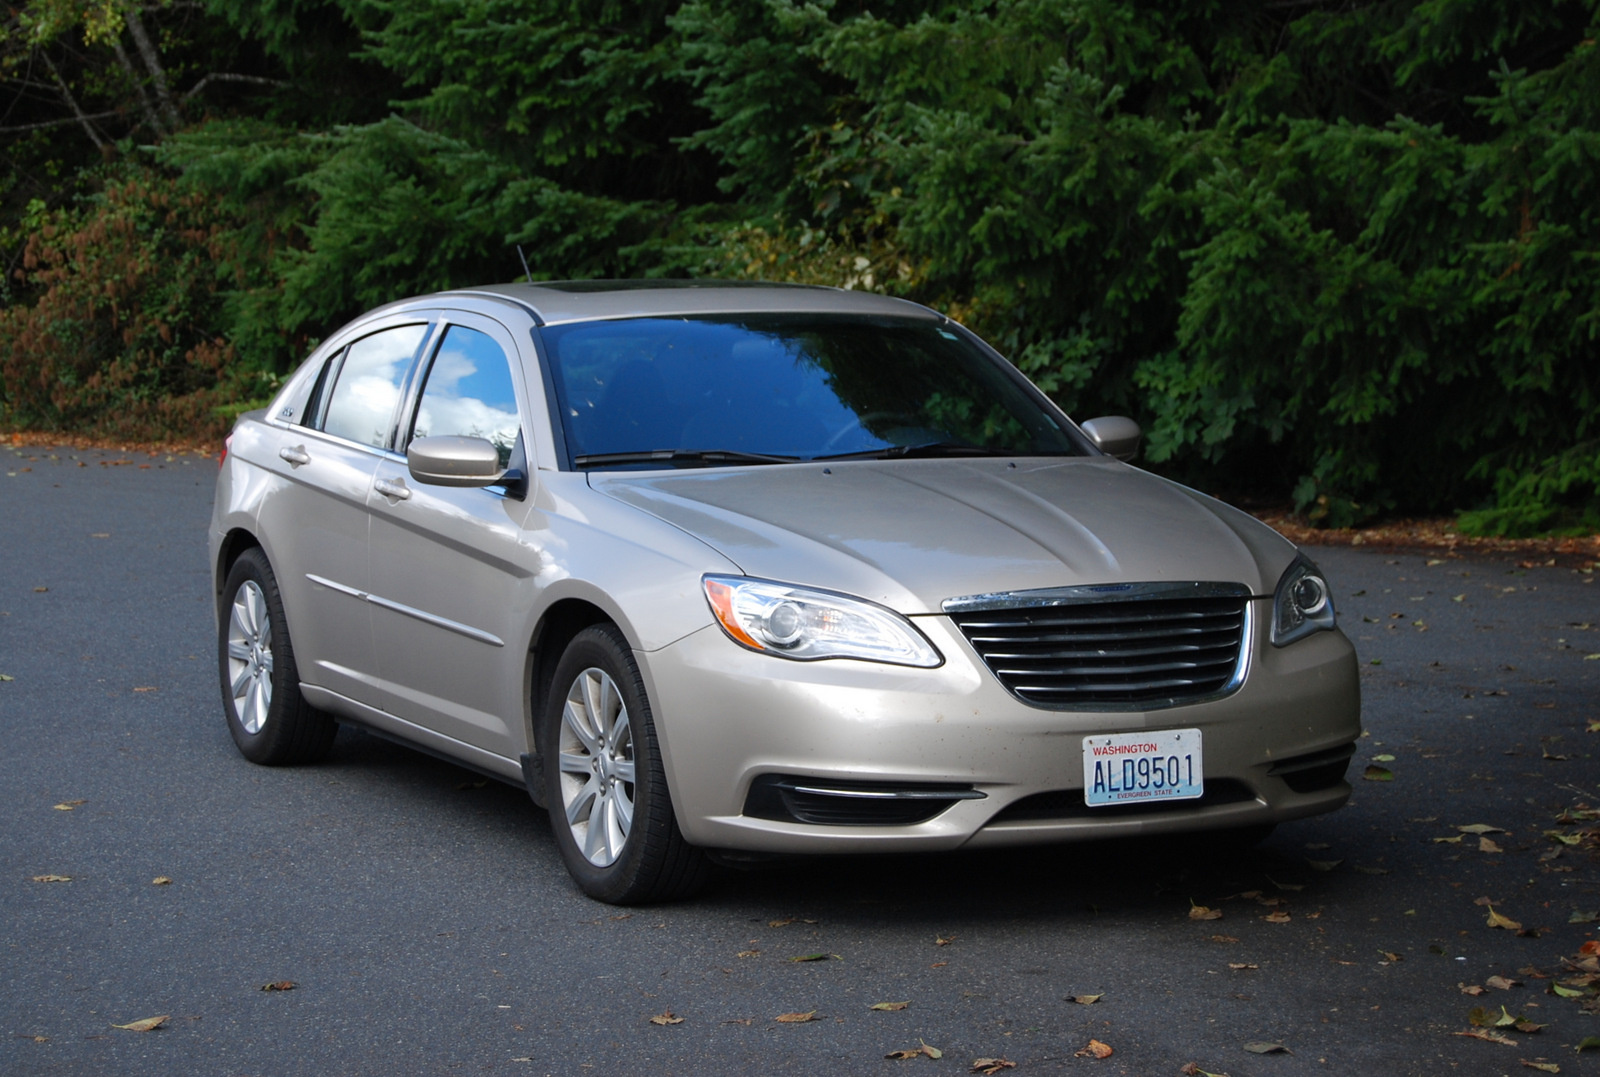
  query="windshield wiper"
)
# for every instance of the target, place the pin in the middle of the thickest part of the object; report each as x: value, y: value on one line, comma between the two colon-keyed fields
x: 681, y: 456
x: 929, y: 448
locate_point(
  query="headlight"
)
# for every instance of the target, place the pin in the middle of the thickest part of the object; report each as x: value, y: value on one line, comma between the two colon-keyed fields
x: 799, y: 623
x: 1303, y: 603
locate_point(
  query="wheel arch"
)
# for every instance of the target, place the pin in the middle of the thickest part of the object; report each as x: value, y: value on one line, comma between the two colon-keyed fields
x: 234, y: 543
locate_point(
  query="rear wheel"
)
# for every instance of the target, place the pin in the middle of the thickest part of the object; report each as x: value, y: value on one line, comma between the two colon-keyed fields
x: 270, y: 721
x: 609, y: 807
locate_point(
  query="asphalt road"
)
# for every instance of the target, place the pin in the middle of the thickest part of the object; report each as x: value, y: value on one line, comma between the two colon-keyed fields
x: 428, y: 926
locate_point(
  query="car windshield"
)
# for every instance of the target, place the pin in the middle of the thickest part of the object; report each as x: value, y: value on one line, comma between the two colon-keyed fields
x: 676, y: 392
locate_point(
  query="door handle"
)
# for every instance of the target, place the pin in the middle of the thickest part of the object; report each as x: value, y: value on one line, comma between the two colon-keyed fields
x: 396, y: 489
x: 296, y: 455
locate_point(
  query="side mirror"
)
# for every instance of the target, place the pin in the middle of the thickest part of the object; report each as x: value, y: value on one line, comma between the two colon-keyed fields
x: 454, y: 461
x: 1115, y: 435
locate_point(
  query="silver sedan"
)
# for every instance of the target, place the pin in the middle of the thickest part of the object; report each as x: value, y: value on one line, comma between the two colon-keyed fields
x: 715, y: 569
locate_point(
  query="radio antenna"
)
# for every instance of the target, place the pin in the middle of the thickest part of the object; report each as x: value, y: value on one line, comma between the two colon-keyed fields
x: 525, y: 268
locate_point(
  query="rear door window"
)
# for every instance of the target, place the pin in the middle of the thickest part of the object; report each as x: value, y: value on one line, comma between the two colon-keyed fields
x: 367, y: 390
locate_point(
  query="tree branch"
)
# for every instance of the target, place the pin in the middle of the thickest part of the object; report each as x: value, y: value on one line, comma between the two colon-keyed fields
x: 64, y: 122
x: 152, y: 62
x: 223, y: 76
x: 150, y: 115
x: 72, y: 103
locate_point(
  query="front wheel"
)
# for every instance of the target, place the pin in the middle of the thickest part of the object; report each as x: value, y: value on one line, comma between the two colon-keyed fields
x: 609, y: 807
x: 270, y: 721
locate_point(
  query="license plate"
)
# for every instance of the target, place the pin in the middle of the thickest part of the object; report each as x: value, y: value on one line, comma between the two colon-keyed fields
x: 1140, y: 768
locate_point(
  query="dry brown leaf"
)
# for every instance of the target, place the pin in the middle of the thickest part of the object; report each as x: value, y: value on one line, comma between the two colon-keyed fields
x: 68, y: 805
x: 1240, y: 966
x: 1190, y: 1069
x: 1085, y: 1000
x: 780, y: 923
x: 1482, y: 828
x: 1094, y: 1049
x: 943, y: 940
x: 1541, y: 1065
x: 52, y: 878
x: 161, y: 880
x: 796, y: 1018
x: 280, y: 985
x: 1201, y: 912
x: 1486, y: 1034
x: 1223, y: 938
x: 145, y: 1024
x: 1504, y: 922
x: 995, y: 1065
x: 1471, y: 989
x: 748, y: 953
x: 145, y: 688
x: 889, y: 1006
x: 1277, y: 916
x: 924, y: 1051
x: 1501, y: 983
x: 1487, y: 846
x: 1324, y: 865
x: 666, y: 1018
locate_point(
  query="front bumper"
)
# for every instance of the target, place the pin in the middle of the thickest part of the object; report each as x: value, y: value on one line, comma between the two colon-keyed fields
x: 726, y: 716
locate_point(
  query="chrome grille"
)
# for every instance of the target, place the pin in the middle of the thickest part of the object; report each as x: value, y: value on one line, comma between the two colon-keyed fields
x: 1112, y: 647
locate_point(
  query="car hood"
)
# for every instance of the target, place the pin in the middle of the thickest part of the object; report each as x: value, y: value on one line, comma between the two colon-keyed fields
x: 912, y: 533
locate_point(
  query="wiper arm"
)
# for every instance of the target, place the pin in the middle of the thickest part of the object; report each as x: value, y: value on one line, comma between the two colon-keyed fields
x: 930, y: 448
x: 681, y: 456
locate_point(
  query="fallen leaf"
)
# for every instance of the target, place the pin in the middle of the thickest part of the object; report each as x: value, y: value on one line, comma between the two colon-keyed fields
x: 1094, y: 1049
x: 1375, y: 773
x: 1365, y: 870
x: 943, y: 940
x: 1324, y: 865
x: 1487, y: 846
x: 1385, y: 758
x: 1189, y: 1069
x: 1201, y: 912
x: 1482, y: 828
x: 667, y: 1018
x: 816, y: 957
x: 748, y: 953
x: 1501, y: 983
x: 280, y: 985
x: 1592, y: 947
x: 1588, y: 1043
x: 161, y: 880
x: 1456, y: 840
x: 145, y: 1024
x: 1471, y: 989
x: 796, y: 1018
x: 6, y: 677
x: 145, y: 688
x: 1277, y: 916
x: 1392, y: 957
x: 924, y: 1051
x: 1505, y: 922
x: 890, y: 1006
x: 1242, y: 965
x: 1565, y: 992
x: 52, y: 878
x: 995, y: 1065
x: 1085, y: 1000
x: 1264, y: 1048
x: 69, y: 805
x: 1223, y: 938
x: 1542, y: 1067
x: 780, y: 923
x: 1486, y: 1034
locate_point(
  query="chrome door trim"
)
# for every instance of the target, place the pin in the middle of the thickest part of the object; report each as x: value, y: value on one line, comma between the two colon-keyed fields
x: 410, y: 611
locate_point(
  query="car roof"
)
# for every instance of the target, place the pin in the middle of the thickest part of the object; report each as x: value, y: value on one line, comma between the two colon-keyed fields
x: 555, y: 302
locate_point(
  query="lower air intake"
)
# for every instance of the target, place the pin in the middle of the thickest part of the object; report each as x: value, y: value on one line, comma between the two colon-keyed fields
x: 830, y: 802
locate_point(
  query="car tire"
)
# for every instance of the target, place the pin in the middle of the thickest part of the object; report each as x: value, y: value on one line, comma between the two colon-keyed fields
x: 270, y: 720
x: 610, y: 810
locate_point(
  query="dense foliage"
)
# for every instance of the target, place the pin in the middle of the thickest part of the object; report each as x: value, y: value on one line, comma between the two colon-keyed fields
x: 1344, y: 252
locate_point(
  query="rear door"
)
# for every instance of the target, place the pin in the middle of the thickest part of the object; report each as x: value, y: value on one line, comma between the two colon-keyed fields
x: 317, y: 521
x: 450, y: 572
